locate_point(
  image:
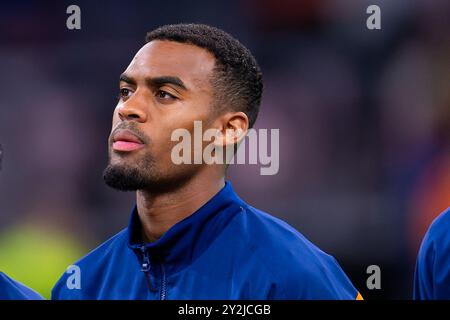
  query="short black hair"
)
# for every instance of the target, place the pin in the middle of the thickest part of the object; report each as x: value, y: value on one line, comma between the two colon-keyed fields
x: 237, y: 77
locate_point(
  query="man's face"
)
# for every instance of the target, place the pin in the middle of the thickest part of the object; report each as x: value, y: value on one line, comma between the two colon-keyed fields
x: 165, y: 87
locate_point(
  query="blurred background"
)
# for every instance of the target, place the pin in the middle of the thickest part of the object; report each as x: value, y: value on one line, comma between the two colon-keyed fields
x: 364, y: 119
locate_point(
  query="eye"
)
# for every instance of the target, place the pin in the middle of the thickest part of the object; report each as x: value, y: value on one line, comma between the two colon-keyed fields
x: 124, y: 93
x: 164, y: 95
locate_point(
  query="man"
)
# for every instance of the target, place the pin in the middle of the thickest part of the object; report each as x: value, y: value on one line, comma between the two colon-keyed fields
x: 432, y: 276
x: 190, y: 236
x: 9, y: 288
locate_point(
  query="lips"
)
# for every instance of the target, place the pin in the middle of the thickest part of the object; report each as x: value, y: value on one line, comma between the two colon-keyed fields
x: 126, y: 141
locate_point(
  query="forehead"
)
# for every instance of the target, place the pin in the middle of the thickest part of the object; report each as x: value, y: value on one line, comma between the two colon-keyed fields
x: 168, y: 58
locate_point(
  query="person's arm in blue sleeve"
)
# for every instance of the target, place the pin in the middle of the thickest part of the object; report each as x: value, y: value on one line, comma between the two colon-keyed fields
x: 13, y: 290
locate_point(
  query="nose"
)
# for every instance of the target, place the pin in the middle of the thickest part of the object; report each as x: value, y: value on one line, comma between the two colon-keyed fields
x: 133, y: 109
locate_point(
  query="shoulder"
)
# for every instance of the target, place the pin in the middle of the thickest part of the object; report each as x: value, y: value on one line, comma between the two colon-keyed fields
x: 307, y: 271
x: 90, y: 266
x: 268, y: 233
x: 437, y: 238
x: 439, y: 229
x: 13, y: 290
x: 105, y: 251
x: 433, y: 261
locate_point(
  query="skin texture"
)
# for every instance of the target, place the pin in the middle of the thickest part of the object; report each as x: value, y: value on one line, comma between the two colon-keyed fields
x: 152, y: 110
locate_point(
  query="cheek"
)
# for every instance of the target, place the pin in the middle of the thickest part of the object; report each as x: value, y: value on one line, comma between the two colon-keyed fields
x: 186, y: 120
x: 162, y: 143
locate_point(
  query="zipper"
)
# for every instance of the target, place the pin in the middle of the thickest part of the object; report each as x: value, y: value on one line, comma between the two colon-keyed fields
x: 163, y: 283
x: 145, y: 266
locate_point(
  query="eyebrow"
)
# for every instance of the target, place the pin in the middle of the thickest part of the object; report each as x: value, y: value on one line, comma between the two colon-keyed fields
x: 156, y: 81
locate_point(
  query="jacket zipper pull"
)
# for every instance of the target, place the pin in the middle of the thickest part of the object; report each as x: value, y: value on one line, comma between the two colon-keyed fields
x: 145, y: 267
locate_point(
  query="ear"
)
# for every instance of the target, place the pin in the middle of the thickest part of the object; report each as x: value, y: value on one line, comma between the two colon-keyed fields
x: 232, y: 128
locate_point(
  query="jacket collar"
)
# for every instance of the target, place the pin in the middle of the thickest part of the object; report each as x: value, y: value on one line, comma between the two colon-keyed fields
x: 188, y: 238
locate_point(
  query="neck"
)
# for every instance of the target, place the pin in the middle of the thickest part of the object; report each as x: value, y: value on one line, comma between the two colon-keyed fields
x: 159, y: 212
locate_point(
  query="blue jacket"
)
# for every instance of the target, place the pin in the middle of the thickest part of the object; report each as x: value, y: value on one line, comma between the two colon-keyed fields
x: 225, y: 250
x: 13, y: 290
x: 432, y: 276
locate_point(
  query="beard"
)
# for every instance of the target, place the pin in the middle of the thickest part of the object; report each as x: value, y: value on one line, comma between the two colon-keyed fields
x: 144, y: 175
x: 124, y: 174
x: 142, y: 172
x: 125, y: 177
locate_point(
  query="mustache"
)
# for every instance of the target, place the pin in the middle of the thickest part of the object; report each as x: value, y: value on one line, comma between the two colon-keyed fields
x: 133, y: 128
